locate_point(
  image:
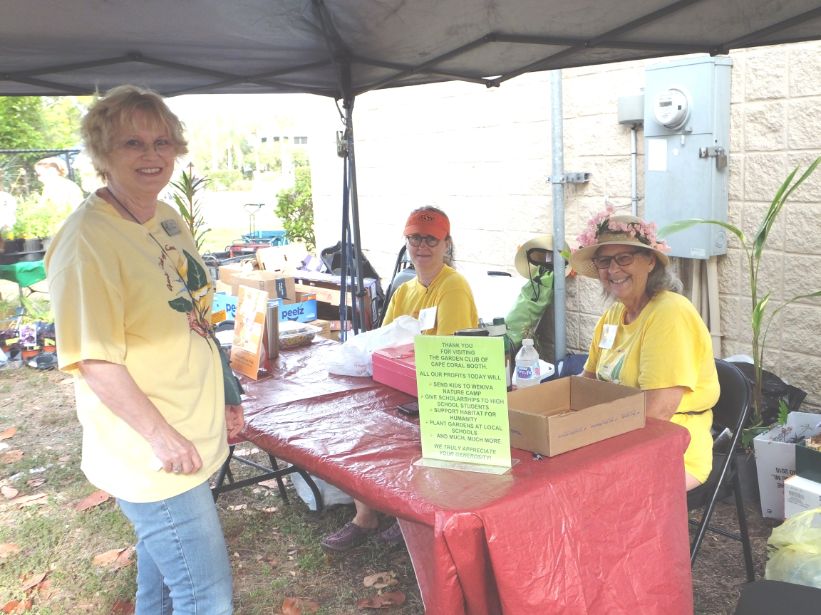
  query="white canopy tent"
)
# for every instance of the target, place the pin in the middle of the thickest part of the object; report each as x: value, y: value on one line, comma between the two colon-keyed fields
x: 342, y: 48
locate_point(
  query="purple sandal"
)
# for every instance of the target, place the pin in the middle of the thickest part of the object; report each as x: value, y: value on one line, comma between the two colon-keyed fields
x: 346, y: 538
x: 392, y: 535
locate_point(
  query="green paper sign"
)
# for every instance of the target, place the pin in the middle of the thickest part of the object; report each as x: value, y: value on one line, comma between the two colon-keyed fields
x: 463, y: 402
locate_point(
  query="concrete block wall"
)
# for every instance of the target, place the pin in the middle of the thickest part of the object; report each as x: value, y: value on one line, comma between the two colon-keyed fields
x: 484, y: 157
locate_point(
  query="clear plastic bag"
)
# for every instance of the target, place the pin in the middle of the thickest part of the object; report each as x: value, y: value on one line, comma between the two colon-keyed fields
x: 355, y: 356
x: 795, y: 550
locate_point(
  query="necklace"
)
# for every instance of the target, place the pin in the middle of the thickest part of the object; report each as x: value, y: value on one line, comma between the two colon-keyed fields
x: 122, y: 206
x: 207, y: 329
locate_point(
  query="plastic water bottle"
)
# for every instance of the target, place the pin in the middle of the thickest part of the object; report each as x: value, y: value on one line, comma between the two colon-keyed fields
x: 528, y: 372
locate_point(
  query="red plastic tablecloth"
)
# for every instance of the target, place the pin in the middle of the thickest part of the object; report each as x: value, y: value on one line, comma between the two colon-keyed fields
x: 602, y: 529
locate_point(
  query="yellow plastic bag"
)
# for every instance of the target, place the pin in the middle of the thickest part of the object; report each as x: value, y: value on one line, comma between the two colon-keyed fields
x: 795, y: 550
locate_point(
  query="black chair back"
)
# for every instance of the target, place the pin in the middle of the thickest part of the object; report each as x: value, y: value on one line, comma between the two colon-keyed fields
x: 730, y: 413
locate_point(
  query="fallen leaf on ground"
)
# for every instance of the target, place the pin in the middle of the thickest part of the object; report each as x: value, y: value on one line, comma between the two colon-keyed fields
x: 122, y: 607
x: 271, y: 484
x: 9, y: 492
x: 92, y: 500
x: 8, y: 548
x: 238, y: 507
x: 17, y: 606
x: 33, y: 580
x: 64, y: 458
x: 380, y: 580
x: 299, y: 606
x: 35, y: 482
x: 7, y: 433
x: 11, y: 456
x: 382, y: 601
x: 115, y: 558
x: 44, y: 590
x: 30, y: 500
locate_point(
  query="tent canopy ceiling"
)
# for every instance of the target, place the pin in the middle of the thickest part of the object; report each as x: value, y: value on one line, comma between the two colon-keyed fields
x: 341, y: 48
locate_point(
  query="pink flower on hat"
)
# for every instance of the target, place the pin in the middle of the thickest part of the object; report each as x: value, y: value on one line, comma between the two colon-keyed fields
x: 603, y: 222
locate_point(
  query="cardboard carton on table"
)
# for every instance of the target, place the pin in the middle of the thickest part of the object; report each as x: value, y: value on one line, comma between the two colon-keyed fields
x: 561, y: 415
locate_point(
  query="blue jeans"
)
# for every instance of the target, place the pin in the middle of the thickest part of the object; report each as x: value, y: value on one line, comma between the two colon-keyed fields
x: 181, y: 556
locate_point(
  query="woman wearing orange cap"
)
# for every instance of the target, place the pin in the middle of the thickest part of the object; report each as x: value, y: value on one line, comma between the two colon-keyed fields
x: 440, y: 298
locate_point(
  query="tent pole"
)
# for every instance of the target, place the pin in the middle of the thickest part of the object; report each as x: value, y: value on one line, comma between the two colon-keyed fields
x: 557, y: 179
x: 359, y: 324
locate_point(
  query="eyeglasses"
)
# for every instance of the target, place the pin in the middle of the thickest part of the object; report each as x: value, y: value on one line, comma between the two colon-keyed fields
x: 622, y: 259
x: 160, y: 146
x: 416, y: 240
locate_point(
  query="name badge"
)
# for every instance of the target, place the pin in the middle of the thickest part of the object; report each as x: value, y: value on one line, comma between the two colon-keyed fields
x: 428, y: 318
x: 608, y: 336
x: 170, y: 227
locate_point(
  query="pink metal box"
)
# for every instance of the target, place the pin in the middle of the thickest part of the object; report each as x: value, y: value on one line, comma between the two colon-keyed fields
x: 396, y: 367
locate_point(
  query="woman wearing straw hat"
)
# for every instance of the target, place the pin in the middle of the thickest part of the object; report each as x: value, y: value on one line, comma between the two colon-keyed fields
x: 652, y: 337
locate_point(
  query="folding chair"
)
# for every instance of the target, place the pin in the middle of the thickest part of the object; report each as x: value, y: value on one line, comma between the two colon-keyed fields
x: 729, y: 413
x: 265, y: 473
x: 402, y: 272
x: 768, y: 597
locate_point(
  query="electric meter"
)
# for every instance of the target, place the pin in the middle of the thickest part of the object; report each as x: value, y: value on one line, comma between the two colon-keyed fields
x: 671, y: 108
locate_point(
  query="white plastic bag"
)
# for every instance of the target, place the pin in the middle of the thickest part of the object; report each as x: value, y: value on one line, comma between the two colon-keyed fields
x: 330, y: 495
x: 354, y: 357
x: 795, y: 550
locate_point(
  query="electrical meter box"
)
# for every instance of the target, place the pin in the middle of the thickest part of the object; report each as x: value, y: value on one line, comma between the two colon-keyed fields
x: 686, y: 142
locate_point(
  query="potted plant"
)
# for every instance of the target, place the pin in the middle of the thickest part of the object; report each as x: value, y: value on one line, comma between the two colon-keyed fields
x: 186, y: 198
x: 763, y: 312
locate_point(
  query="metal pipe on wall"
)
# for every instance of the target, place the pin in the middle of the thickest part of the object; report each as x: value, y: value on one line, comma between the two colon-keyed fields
x: 557, y: 180
x: 634, y: 170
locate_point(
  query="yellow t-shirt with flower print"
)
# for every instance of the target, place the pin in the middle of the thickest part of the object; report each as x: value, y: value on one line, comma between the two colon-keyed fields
x: 118, y: 297
x: 668, y: 345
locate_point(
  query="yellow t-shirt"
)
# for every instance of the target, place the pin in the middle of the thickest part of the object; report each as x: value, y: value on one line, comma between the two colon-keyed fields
x: 667, y: 345
x: 449, y: 292
x: 118, y: 298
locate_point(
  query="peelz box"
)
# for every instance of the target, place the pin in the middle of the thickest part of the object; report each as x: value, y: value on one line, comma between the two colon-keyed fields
x: 568, y: 413
x: 304, y: 311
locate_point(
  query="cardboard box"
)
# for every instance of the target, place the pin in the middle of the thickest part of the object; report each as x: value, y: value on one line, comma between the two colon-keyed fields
x: 336, y: 328
x: 275, y: 284
x: 568, y: 413
x: 229, y: 273
x: 227, y: 303
x: 302, y: 311
x: 325, y: 328
x: 396, y: 367
x: 775, y: 459
x: 808, y: 462
x: 800, y: 494
x: 286, y: 259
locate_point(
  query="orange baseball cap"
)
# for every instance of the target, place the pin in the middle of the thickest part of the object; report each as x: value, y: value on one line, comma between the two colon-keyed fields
x: 428, y: 222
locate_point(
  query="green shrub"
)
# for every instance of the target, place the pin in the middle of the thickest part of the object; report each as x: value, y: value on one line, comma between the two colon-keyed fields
x: 295, y: 209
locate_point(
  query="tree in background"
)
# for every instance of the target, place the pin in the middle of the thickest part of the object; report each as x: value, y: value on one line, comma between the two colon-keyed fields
x: 295, y: 208
x: 35, y: 122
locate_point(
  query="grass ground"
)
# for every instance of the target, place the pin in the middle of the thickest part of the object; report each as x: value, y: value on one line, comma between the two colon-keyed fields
x: 274, y: 547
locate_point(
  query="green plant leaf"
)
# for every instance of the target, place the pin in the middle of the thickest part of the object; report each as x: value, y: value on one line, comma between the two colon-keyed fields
x: 196, y: 274
x: 682, y: 225
x: 783, y: 411
x: 181, y: 304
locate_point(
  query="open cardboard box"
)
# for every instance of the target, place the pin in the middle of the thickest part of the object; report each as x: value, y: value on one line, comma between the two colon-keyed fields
x: 561, y: 415
x: 775, y: 459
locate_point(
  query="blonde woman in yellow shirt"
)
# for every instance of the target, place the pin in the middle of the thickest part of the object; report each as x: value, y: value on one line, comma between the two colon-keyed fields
x: 131, y: 300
